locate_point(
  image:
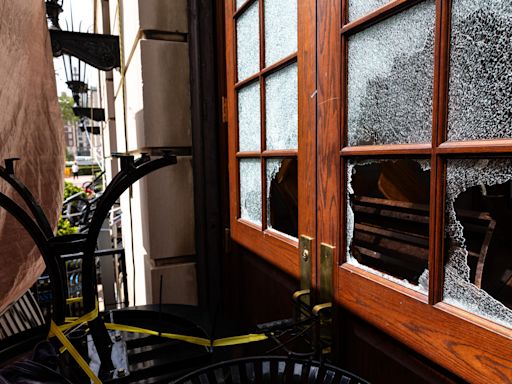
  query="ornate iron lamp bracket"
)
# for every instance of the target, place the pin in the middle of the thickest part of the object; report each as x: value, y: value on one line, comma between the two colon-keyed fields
x: 97, y: 50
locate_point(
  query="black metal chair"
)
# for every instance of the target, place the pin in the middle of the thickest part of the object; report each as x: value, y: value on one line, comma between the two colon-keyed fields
x: 270, y: 370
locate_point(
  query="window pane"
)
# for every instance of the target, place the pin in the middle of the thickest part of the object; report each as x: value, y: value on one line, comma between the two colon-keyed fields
x: 478, y: 271
x: 281, y: 108
x: 250, y: 190
x: 249, y: 118
x: 359, y: 8
x: 239, y: 3
x: 480, y: 103
x: 282, y: 195
x: 390, y: 79
x: 280, y: 29
x: 248, y: 42
x: 388, y: 219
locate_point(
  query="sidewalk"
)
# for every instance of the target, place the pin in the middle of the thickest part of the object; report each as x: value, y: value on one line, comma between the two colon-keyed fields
x: 80, y: 180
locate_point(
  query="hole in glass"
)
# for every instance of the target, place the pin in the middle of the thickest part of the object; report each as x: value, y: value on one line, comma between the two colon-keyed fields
x: 388, y: 218
x: 282, y: 196
x: 478, y: 271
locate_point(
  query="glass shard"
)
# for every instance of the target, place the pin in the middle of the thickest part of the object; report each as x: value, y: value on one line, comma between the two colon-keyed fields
x: 239, y: 3
x: 388, y: 219
x: 250, y: 190
x: 359, y: 8
x: 280, y: 29
x: 248, y: 42
x: 478, y: 271
x: 479, y: 104
x: 282, y: 195
x: 282, y: 108
x: 249, y: 118
x: 390, y: 79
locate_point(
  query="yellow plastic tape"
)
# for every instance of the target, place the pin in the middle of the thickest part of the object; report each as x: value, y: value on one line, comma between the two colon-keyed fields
x: 72, y: 322
x: 191, y: 339
x: 72, y: 300
x: 55, y: 331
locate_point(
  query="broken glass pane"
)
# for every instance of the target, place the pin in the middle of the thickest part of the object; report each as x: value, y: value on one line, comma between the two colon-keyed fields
x: 478, y: 271
x: 249, y: 118
x: 480, y: 106
x: 390, y: 79
x: 359, y: 8
x: 282, y: 195
x: 388, y: 219
x: 250, y: 190
x: 280, y: 29
x: 248, y: 42
x: 282, y: 108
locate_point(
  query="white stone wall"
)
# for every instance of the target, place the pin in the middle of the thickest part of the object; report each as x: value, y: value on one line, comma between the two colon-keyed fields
x: 150, y: 108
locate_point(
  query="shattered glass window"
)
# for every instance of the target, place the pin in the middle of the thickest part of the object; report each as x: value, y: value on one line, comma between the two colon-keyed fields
x: 281, y: 101
x: 282, y: 195
x: 478, y: 270
x: 248, y: 42
x: 249, y: 118
x: 388, y: 219
x: 359, y: 8
x: 480, y: 106
x: 250, y: 190
x: 280, y: 29
x: 390, y: 79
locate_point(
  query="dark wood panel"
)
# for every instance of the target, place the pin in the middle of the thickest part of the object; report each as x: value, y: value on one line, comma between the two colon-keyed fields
x: 256, y: 291
x: 474, y: 349
x: 380, y: 359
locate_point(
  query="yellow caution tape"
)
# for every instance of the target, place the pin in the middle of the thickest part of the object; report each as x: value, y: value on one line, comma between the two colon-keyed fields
x: 71, y: 322
x: 56, y: 331
x: 191, y: 339
x: 72, y: 300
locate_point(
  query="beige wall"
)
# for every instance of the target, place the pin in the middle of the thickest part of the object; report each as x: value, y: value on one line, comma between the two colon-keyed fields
x: 150, y: 108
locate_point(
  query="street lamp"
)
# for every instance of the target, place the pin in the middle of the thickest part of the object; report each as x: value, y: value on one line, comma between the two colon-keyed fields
x: 75, y: 75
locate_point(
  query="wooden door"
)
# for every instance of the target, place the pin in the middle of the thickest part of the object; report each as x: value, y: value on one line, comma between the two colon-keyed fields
x: 413, y: 174
x: 272, y: 127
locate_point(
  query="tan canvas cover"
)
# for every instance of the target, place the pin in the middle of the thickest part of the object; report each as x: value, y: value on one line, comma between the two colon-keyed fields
x: 30, y: 128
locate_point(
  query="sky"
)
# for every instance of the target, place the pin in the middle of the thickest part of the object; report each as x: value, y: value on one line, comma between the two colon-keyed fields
x: 81, y: 11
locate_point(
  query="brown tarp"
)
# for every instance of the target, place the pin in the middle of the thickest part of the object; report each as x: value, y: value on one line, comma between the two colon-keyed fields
x: 30, y: 128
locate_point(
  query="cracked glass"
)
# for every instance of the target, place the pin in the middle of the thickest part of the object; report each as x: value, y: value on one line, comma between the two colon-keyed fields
x: 478, y: 271
x: 248, y: 42
x: 250, y: 190
x: 281, y: 101
x: 388, y: 219
x: 249, y: 118
x: 360, y: 8
x: 280, y: 29
x: 390, y: 79
x: 479, y: 104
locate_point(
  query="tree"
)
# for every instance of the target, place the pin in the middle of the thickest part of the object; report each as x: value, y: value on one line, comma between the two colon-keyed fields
x: 66, y: 107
